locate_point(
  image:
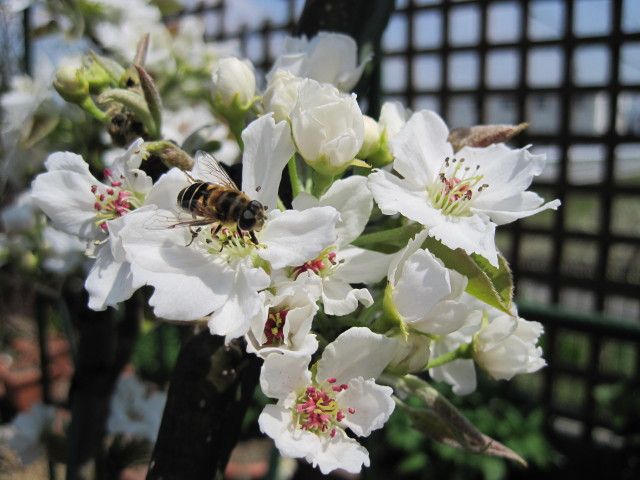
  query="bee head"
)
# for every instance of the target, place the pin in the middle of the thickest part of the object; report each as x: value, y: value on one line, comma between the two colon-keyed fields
x: 252, y: 217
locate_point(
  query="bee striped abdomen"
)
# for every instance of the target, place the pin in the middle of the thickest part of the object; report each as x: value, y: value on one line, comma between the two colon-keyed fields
x: 191, y: 196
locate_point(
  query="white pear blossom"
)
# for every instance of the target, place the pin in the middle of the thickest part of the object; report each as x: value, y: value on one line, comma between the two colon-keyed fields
x: 506, y: 346
x: 177, y: 125
x: 285, y: 322
x: 314, y: 409
x: 222, y: 271
x: 189, y: 46
x: 327, y: 127
x: 81, y: 205
x: 343, y: 264
x: 503, y: 345
x: 281, y: 94
x: 327, y: 57
x: 425, y: 294
x: 234, y: 83
x: 121, y: 25
x: 459, y: 198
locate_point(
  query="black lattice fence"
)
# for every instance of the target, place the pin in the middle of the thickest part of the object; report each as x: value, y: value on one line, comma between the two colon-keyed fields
x: 571, y: 68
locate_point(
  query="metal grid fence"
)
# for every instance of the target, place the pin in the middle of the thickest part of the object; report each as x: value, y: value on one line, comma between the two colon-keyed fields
x: 572, y: 69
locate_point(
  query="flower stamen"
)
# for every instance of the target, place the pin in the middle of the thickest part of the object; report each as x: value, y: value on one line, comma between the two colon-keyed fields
x: 457, y: 185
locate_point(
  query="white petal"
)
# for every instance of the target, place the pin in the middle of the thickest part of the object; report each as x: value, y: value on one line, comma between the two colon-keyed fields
x: 460, y: 374
x: 363, y: 266
x: 444, y: 318
x: 165, y: 191
x: 283, y: 374
x: 358, y: 352
x: 188, y: 282
x: 372, y: 402
x: 394, y: 195
x: 473, y: 234
x: 109, y: 282
x: 243, y: 306
x: 498, y: 329
x: 305, y: 200
x: 518, y: 206
x: 421, y: 147
x: 339, y: 452
x: 267, y: 149
x: 293, y: 237
x: 508, y: 173
x: 64, y: 194
x: 352, y: 198
x: 276, y: 422
x: 421, y: 285
x: 339, y: 298
x: 398, y: 259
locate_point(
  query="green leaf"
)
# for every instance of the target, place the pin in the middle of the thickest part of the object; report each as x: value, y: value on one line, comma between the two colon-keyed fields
x: 492, y: 285
x: 439, y: 419
x: 388, y: 241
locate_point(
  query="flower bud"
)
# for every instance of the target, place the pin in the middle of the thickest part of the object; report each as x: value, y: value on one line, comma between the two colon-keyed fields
x: 327, y: 127
x: 71, y: 84
x: 281, y: 94
x: 506, y: 346
x: 234, y: 86
x: 372, y: 133
x: 412, y: 353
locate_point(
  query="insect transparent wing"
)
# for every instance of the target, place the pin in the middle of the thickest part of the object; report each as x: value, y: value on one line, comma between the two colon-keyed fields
x: 169, y: 219
x: 210, y: 170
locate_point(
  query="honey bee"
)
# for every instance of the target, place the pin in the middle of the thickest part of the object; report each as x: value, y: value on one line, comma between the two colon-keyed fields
x: 220, y: 202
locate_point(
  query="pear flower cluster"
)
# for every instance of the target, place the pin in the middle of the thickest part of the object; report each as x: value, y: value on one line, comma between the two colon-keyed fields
x: 336, y: 300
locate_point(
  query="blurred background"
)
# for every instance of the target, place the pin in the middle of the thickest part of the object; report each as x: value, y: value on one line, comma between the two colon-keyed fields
x: 571, y: 69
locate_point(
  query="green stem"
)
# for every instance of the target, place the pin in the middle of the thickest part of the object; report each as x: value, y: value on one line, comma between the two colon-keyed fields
x: 88, y: 106
x: 236, y: 125
x: 296, y: 184
x: 321, y: 184
x: 464, y: 351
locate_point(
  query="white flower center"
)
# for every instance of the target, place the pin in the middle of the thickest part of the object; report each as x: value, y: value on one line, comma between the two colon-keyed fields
x: 227, y: 242
x: 317, y: 410
x: 456, y: 187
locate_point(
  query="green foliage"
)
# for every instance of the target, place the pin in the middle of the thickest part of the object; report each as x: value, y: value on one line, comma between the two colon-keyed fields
x: 156, y: 352
x: 401, y: 451
x: 490, y: 284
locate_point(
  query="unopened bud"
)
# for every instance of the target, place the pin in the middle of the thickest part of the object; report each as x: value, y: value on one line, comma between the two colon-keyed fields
x: 234, y: 86
x: 71, y: 84
x: 371, y: 142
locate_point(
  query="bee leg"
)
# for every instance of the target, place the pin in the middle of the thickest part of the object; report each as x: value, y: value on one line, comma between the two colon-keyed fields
x: 217, y: 229
x: 253, y: 237
x: 194, y: 234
